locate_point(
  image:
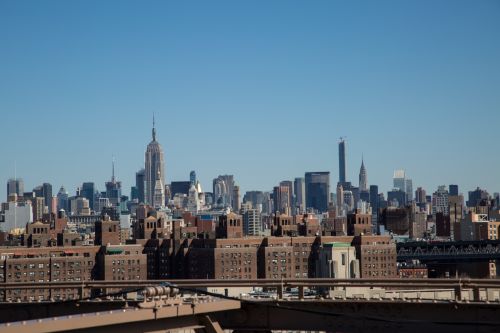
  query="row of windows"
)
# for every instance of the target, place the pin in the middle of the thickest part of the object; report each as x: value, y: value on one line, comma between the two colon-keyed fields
x: 123, y: 278
x: 122, y: 270
x: 122, y: 262
x: 45, y: 255
x: 234, y: 277
x: 237, y: 269
x: 236, y: 262
x: 380, y: 251
x: 279, y: 254
x: 237, y: 255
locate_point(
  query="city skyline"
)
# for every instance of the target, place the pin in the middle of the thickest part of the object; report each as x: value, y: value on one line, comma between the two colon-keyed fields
x: 403, y: 93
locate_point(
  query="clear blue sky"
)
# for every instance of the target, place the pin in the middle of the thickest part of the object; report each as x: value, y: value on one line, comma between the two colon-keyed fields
x: 258, y: 89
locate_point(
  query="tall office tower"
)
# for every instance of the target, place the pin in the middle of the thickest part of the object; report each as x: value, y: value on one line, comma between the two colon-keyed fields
x: 154, y: 163
x: 342, y: 163
x: 453, y: 189
x: 375, y: 204
x: 399, y: 180
x: 54, y: 205
x: 374, y: 198
x: 133, y: 193
x: 159, y: 194
x: 440, y: 202
x: 38, y: 191
x: 63, y: 199
x: 396, y: 198
x: 420, y: 196
x: 193, y: 205
x: 252, y: 222
x: 281, y: 197
x: 47, y: 195
x: 38, y: 208
x: 300, y: 194
x: 257, y: 198
x: 340, y: 200
x: 289, y: 184
x: 409, y: 190
x: 456, y: 210
x: 88, y: 191
x: 223, y: 189
x: 363, y: 179
x: 140, y: 182
x: 192, y: 177
x: 476, y: 196
x: 236, y: 204
x: 15, y: 186
x: 168, y: 193
x: 317, y: 190
x: 113, y: 189
x: 348, y: 201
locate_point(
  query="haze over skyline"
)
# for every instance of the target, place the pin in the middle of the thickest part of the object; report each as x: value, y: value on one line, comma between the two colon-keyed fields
x: 413, y: 85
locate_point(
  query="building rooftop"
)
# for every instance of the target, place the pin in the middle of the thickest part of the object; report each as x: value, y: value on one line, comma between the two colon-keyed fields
x: 337, y: 244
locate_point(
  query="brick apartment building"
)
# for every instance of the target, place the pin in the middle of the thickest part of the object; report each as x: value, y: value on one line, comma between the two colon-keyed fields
x: 377, y: 256
x: 174, y: 252
x: 46, y: 264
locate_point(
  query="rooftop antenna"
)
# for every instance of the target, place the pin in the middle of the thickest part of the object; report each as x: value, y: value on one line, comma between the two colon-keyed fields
x: 15, y: 203
x: 154, y: 129
x: 113, y: 170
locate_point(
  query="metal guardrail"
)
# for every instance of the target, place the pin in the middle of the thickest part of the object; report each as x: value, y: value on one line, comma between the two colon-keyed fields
x: 460, y: 286
x: 312, y: 282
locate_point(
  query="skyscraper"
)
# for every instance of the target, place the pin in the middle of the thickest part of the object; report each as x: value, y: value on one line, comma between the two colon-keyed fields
x: 374, y: 198
x: 252, y: 222
x: 15, y: 186
x: 47, y: 195
x: 139, y: 184
x: 223, y: 189
x: 281, y: 197
x: 192, y: 177
x: 409, y: 190
x: 453, y: 189
x: 63, y: 199
x: 399, y: 180
x: 300, y: 193
x: 342, y: 164
x: 154, y: 166
x: 340, y: 200
x: 236, y: 204
x: 113, y: 190
x: 420, y: 196
x: 289, y: 184
x: 159, y: 193
x: 317, y: 190
x: 363, y: 181
x: 440, y: 201
x: 88, y: 191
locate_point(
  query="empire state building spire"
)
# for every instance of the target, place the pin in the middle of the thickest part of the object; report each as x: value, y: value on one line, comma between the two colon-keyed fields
x: 154, y: 129
x: 154, y: 166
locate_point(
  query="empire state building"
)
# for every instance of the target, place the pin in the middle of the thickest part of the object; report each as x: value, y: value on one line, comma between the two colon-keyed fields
x: 154, y: 168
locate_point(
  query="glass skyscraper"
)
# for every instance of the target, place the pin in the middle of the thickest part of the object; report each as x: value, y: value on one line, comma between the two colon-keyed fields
x: 342, y: 177
x: 317, y: 190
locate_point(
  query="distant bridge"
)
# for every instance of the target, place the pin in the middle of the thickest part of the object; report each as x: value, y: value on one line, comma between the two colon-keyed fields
x: 449, y: 251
